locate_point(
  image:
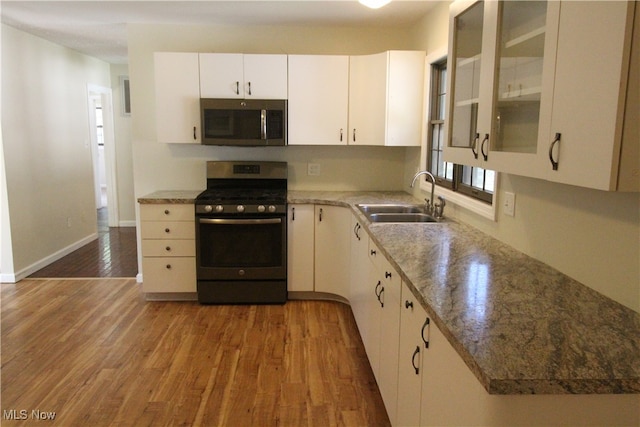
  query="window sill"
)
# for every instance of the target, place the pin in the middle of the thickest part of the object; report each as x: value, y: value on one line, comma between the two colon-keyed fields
x: 479, y: 208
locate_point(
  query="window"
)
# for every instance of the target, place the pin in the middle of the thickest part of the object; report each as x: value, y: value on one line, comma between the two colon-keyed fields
x: 469, y: 180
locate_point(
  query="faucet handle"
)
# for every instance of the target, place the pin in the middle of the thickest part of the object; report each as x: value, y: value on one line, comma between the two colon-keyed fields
x: 439, y: 207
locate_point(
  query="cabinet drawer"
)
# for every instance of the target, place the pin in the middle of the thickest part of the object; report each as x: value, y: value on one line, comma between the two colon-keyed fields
x: 168, y: 247
x: 375, y: 255
x: 165, y: 274
x: 168, y: 211
x: 168, y: 230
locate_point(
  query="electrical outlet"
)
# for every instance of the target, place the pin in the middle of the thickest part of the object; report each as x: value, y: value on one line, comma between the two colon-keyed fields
x: 509, y: 204
x: 313, y: 169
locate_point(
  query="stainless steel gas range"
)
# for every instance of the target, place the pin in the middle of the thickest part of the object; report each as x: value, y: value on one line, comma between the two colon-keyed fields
x: 241, y: 234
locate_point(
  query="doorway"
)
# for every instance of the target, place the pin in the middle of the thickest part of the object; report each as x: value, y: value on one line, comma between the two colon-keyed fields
x: 103, y: 151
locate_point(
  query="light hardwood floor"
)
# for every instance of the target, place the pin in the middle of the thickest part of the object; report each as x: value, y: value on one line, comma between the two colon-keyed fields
x: 95, y: 353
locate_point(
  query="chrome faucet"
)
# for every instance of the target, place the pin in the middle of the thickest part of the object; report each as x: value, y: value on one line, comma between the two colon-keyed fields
x: 437, y: 209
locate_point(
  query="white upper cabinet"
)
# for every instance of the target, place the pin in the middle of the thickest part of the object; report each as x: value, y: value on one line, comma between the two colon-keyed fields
x: 593, y: 79
x: 177, y: 90
x: 244, y: 76
x: 386, y: 98
x: 318, y: 99
x: 539, y: 88
x: 501, y: 77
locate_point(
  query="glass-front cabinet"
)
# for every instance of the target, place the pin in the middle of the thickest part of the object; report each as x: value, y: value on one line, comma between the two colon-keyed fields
x: 545, y: 89
x: 502, y: 61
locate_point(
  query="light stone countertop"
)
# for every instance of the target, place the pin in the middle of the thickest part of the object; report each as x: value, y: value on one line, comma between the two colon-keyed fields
x: 521, y: 326
x: 170, y: 196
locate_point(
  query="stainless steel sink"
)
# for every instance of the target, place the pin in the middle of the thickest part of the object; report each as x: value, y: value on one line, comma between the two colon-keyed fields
x: 389, y: 208
x: 396, y: 213
x: 401, y: 217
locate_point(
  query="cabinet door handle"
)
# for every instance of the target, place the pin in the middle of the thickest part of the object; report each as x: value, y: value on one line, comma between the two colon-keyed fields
x: 474, y: 146
x: 354, y: 134
x: 375, y: 291
x: 387, y: 275
x: 194, y: 133
x: 249, y: 85
x: 373, y: 252
x: 556, y: 140
x: 341, y: 131
x: 293, y: 214
x: 408, y: 304
x: 485, y: 154
x: 320, y: 215
x: 413, y: 359
x: 356, y: 229
x: 237, y: 88
x: 426, y: 326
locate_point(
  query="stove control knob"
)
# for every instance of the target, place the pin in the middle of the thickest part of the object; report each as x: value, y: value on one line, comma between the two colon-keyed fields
x: 219, y: 208
x: 240, y: 208
x: 272, y: 208
x: 208, y: 208
x: 261, y: 208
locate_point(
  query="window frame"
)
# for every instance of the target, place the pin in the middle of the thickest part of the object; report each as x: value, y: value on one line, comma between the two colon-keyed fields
x: 459, y: 198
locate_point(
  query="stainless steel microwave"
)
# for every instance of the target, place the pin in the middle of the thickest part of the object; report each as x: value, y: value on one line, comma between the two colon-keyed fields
x: 243, y: 122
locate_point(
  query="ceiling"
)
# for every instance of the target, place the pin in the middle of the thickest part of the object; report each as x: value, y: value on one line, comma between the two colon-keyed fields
x: 98, y: 28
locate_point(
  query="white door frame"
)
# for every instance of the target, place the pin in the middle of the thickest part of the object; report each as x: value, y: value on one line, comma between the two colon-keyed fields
x: 109, y: 147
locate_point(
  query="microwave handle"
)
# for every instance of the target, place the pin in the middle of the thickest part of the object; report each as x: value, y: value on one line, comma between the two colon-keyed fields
x: 263, y: 124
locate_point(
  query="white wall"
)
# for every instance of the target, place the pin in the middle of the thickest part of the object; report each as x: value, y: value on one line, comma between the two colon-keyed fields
x: 45, y: 132
x: 592, y: 236
x: 124, y: 155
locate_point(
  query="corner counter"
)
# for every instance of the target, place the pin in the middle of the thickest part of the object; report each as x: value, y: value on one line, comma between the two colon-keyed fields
x: 521, y: 326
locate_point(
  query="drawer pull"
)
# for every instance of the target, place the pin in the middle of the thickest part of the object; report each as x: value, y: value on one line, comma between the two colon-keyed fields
x: 168, y: 248
x: 408, y: 304
x: 373, y: 252
x: 166, y: 211
x: 166, y: 230
x: 387, y: 274
x: 168, y: 266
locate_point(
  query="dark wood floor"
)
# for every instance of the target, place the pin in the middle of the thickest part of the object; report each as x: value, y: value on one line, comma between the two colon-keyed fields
x: 92, y: 352
x: 113, y: 254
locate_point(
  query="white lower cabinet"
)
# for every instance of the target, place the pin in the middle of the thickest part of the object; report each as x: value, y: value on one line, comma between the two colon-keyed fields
x: 410, y: 363
x: 389, y: 339
x: 375, y: 300
x: 168, y: 248
x: 318, y: 249
x: 332, y: 258
x: 300, y: 248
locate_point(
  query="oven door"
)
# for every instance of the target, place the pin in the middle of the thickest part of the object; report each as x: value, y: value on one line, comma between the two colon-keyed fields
x: 232, y: 248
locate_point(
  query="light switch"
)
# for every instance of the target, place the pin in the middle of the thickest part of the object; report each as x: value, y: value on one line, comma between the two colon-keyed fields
x: 313, y: 169
x: 509, y: 204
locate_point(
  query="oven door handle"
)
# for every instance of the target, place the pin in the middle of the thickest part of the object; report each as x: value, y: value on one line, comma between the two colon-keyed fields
x: 240, y: 221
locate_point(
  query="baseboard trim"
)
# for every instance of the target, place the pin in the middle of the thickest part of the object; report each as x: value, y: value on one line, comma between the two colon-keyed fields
x: 130, y: 223
x: 50, y: 259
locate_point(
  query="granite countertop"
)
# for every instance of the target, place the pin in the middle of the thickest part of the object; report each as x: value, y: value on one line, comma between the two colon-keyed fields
x: 170, y: 196
x: 521, y: 326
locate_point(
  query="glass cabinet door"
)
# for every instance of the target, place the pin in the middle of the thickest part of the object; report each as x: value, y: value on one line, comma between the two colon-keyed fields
x: 519, y: 65
x: 466, y: 61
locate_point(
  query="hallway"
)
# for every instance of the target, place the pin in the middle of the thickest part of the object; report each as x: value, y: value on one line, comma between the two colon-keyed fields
x: 112, y: 254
